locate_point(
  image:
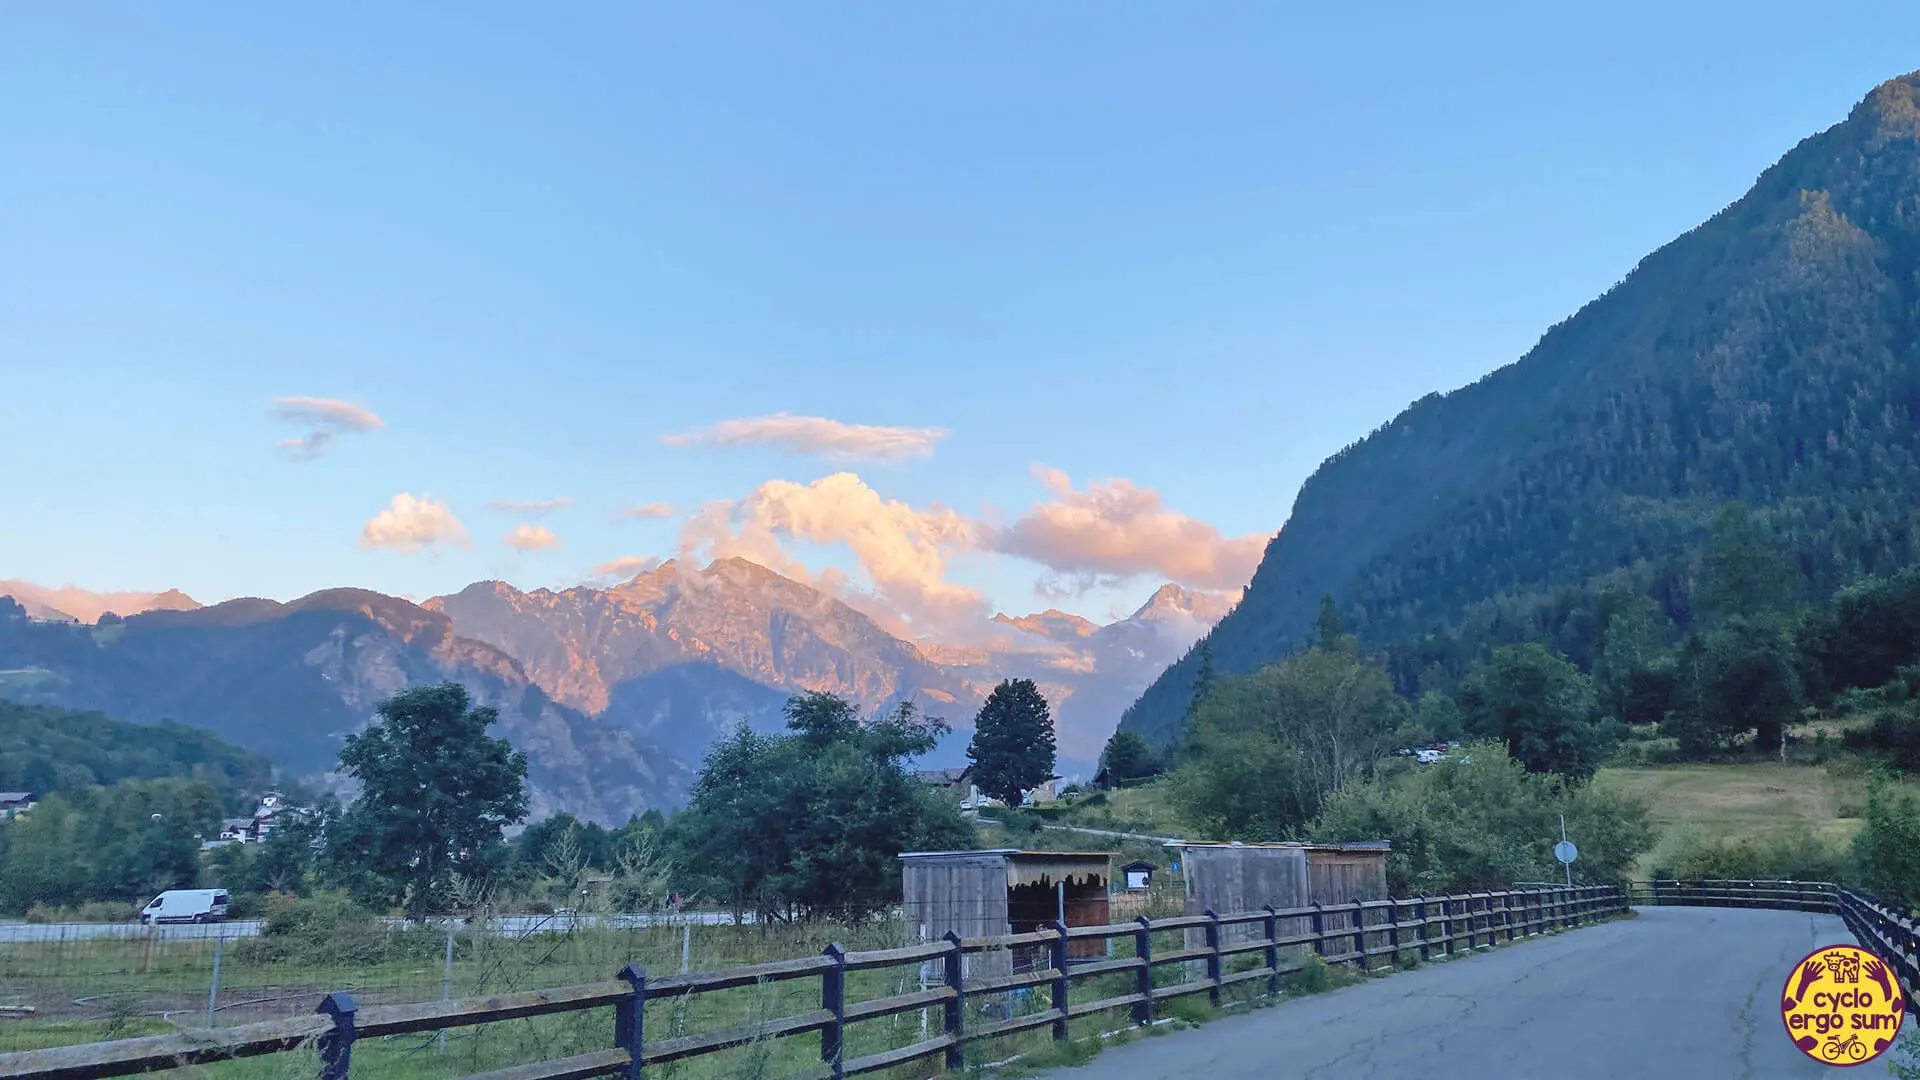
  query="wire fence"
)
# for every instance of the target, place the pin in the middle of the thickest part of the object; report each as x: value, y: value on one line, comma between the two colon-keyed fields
x: 64, y: 984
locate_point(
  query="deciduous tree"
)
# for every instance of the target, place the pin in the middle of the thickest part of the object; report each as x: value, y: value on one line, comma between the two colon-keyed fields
x: 435, y: 791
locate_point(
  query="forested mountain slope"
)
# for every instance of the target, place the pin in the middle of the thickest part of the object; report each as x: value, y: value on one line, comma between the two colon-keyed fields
x: 1768, y: 355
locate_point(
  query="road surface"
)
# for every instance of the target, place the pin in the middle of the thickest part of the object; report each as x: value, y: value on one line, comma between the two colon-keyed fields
x: 1674, y: 992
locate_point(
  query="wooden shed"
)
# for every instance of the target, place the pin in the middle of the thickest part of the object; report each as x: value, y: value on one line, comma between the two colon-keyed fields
x: 1343, y: 873
x: 1005, y: 891
x: 1233, y: 878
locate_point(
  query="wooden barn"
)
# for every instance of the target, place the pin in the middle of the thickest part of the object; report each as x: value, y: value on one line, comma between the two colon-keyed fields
x: 1233, y: 877
x: 1005, y: 891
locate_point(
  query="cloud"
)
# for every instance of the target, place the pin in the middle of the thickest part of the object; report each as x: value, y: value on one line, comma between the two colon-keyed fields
x: 626, y: 568
x: 901, y: 549
x: 648, y: 512
x: 324, y: 419
x: 817, y: 435
x: 533, y: 509
x: 1115, y: 530
x: 525, y: 537
x: 410, y: 524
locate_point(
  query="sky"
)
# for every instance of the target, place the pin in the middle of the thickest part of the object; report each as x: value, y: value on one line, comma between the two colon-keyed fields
x: 946, y: 308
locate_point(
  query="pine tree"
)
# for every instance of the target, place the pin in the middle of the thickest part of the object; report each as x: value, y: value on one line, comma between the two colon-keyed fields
x: 1012, y: 749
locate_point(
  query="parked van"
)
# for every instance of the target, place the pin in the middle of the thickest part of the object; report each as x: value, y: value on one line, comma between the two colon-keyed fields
x: 186, y: 905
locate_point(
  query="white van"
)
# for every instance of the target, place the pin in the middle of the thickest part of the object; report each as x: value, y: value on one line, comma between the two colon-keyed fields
x: 186, y: 905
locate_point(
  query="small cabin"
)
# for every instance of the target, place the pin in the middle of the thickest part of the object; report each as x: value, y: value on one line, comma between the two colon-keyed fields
x: 988, y: 893
x: 1137, y: 875
x: 15, y: 803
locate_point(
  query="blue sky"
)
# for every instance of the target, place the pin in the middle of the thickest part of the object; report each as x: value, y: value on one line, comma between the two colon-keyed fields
x: 1193, y: 250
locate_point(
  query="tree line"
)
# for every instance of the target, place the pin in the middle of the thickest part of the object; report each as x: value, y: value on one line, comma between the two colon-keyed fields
x: 801, y: 825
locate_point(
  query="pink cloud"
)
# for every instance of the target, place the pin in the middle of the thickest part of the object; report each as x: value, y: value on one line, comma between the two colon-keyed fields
x: 410, y: 524
x: 901, y: 549
x: 817, y: 435
x: 324, y: 418
x: 526, y: 537
x: 1115, y: 530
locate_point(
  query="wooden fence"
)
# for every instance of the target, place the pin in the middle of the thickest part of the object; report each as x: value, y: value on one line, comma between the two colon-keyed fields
x: 1359, y: 933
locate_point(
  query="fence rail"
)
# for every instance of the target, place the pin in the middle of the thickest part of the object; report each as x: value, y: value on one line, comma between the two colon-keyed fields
x: 1882, y: 929
x: 1359, y: 933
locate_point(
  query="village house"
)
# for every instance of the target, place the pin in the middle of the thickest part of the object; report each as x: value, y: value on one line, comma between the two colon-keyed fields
x: 15, y: 803
x: 272, y: 812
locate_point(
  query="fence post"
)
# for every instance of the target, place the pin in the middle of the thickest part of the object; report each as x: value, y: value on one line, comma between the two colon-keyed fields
x: 833, y: 998
x: 1446, y: 924
x: 1273, y: 951
x: 955, y: 1010
x: 1213, y: 959
x: 1060, y: 981
x: 446, y: 990
x: 1319, y: 930
x: 213, y: 990
x: 629, y: 1020
x: 1360, y: 933
x: 1393, y: 928
x: 336, y: 1043
x: 1143, y: 984
x: 1426, y: 929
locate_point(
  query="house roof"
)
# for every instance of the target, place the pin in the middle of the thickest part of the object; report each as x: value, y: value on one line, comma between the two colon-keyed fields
x: 943, y: 776
x: 1139, y: 864
x: 16, y: 796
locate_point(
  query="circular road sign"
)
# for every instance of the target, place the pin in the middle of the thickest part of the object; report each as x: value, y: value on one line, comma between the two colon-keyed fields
x: 1565, y: 851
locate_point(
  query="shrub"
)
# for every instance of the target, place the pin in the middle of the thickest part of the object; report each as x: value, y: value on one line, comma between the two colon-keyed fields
x: 330, y: 928
x: 1795, y: 856
x: 1886, y: 851
x: 1483, y: 821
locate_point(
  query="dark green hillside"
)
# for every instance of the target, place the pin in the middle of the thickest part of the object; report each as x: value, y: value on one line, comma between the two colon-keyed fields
x: 1769, y: 356
x: 46, y: 750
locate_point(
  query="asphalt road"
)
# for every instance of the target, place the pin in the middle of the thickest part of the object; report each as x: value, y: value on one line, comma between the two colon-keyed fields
x: 1673, y: 992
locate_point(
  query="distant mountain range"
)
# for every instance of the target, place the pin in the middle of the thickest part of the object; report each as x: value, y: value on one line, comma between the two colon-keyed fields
x: 68, y: 604
x: 615, y: 693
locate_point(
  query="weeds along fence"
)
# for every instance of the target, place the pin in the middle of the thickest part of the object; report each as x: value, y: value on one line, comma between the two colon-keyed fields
x: 875, y: 1009
x: 1881, y: 928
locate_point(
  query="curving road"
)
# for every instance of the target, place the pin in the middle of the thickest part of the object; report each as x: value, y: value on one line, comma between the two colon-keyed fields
x: 1674, y: 992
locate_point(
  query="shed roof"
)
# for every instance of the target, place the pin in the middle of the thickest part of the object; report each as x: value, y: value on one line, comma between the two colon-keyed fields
x: 1139, y: 864
x: 16, y: 796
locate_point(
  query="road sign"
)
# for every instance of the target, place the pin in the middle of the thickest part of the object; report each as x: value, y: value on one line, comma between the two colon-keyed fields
x: 1564, y: 851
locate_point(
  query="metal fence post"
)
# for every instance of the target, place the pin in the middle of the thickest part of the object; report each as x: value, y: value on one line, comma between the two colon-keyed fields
x: 955, y: 1014
x: 1213, y: 958
x: 1058, y: 947
x: 833, y: 998
x: 1272, y: 923
x: 336, y: 1043
x: 1426, y: 929
x: 1360, y: 933
x: 1319, y: 930
x: 1143, y: 985
x: 446, y: 988
x: 629, y: 1021
x: 213, y: 990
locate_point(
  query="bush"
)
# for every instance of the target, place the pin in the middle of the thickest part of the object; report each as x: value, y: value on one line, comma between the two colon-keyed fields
x: 330, y: 928
x: 101, y: 911
x: 1483, y: 821
x: 1795, y: 856
x: 1886, y: 851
